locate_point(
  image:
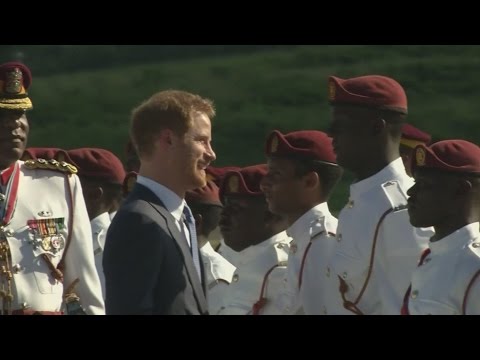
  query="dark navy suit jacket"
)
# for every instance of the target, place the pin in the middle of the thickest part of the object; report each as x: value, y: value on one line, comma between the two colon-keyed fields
x: 147, y: 262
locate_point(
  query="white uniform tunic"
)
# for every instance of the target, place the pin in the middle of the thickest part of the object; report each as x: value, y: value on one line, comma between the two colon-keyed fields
x: 260, y: 265
x: 439, y: 285
x: 40, y: 226
x: 100, y: 226
x: 380, y: 254
x: 311, y: 249
x: 219, y: 273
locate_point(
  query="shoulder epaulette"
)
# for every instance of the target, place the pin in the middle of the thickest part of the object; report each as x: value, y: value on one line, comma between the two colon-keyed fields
x: 395, y: 195
x: 51, y: 164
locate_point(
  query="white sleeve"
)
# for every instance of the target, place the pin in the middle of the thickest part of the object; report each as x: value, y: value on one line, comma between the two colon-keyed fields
x: 79, y: 260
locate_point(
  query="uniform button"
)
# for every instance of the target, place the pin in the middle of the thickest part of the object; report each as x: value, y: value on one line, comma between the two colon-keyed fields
x: 327, y: 272
x: 339, y: 237
x: 414, y: 294
x: 17, y: 268
x: 476, y: 244
x: 24, y: 305
x: 344, y: 275
x: 9, y: 232
x: 2, y: 197
x: 235, y: 278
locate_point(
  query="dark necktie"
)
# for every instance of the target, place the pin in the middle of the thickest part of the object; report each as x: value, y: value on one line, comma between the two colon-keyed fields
x: 190, y: 221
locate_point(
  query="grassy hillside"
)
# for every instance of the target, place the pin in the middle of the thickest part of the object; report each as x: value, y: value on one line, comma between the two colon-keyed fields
x: 255, y: 93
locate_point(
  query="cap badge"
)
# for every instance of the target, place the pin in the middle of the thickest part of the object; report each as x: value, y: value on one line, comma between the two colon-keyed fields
x: 274, y: 144
x: 233, y: 184
x: 331, y: 91
x: 420, y: 157
x: 13, y: 84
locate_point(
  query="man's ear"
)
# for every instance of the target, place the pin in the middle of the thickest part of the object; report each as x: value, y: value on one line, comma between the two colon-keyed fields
x: 378, y: 126
x: 198, y: 222
x: 465, y: 186
x: 166, y: 138
x: 311, y: 179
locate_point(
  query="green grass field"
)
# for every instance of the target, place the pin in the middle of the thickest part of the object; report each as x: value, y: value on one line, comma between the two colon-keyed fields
x: 283, y: 89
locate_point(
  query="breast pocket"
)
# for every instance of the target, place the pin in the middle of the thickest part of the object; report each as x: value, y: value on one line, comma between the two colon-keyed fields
x: 48, y: 240
x: 352, y: 270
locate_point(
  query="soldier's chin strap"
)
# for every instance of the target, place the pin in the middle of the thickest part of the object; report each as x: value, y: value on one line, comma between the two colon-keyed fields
x: 352, y: 305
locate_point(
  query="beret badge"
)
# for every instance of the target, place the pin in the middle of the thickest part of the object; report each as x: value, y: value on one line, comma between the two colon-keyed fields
x: 13, y: 85
x: 420, y: 157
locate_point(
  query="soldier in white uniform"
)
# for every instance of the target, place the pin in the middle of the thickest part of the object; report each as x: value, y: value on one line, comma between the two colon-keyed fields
x: 46, y: 250
x: 260, y: 240
x: 377, y: 248
x: 302, y: 173
x: 206, y: 208
x: 101, y: 174
x: 446, y: 195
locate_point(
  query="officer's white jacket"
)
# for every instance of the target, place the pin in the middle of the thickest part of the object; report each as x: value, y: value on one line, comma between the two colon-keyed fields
x: 253, y: 264
x: 397, y: 250
x: 218, y: 273
x: 43, y: 194
x: 439, y: 285
x: 100, y: 226
x: 306, y: 285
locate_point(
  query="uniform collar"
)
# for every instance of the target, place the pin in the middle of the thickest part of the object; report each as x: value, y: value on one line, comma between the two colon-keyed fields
x: 100, y: 226
x: 101, y: 222
x: 207, y: 248
x: 456, y: 240
x: 5, y: 174
x: 392, y: 171
x: 304, y: 222
x: 253, y: 251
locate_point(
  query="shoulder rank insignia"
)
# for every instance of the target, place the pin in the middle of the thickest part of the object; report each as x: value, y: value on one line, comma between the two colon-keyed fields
x: 51, y: 164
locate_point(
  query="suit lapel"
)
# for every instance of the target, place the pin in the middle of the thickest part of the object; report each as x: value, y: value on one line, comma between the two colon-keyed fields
x: 155, y: 202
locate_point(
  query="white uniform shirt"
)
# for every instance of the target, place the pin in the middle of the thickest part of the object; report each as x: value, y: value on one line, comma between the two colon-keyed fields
x: 253, y: 265
x: 398, y: 247
x: 42, y: 195
x: 319, y: 226
x: 100, y: 226
x: 228, y: 253
x: 439, y: 285
x: 218, y: 274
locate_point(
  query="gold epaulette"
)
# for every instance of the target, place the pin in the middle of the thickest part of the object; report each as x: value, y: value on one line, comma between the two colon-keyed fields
x: 51, y: 164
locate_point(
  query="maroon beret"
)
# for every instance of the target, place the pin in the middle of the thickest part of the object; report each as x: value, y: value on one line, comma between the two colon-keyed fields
x: 410, y: 132
x: 454, y: 156
x: 39, y: 152
x: 216, y: 174
x: 100, y: 164
x: 307, y: 144
x: 245, y: 181
x: 208, y: 194
x: 15, y: 79
x: 129, y: 182
x: 374, y: 91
